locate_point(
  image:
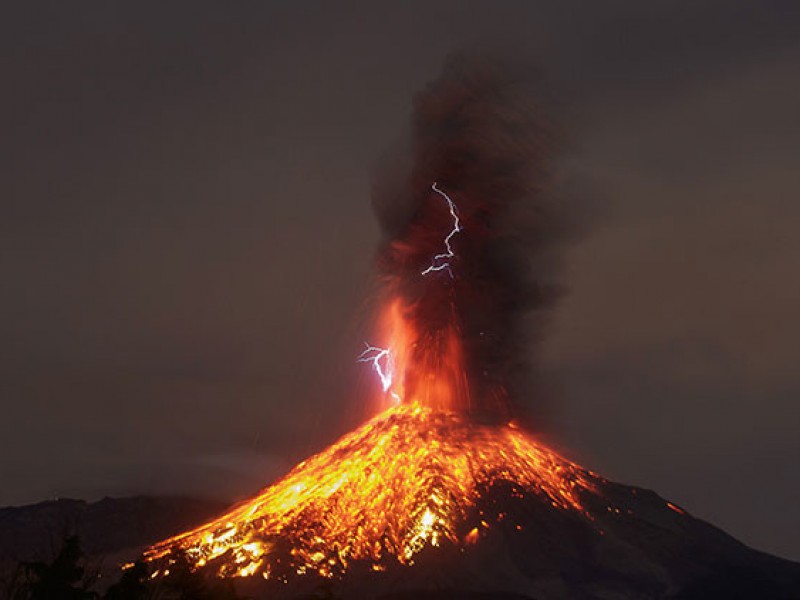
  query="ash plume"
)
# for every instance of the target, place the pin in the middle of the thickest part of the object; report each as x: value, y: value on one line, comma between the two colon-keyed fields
x: 478, y: 134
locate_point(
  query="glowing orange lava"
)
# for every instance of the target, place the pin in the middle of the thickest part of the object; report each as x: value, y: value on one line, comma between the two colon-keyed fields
x: 427, y: 368
x: 406, y: 479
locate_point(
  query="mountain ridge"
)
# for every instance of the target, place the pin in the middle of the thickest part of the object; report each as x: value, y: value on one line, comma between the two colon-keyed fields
x: 644, y: 548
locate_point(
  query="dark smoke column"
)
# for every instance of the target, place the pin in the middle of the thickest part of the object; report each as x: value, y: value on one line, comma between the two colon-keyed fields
x: 478, y: 134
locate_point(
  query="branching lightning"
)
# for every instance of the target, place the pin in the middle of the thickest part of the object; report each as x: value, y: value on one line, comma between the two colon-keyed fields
x: 382, y: 364
x: 381, y: 359
x: 374, y: 355
x: 441, y: 262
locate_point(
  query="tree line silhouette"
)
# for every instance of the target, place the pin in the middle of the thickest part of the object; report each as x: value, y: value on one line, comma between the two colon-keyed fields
x: 67, y: 577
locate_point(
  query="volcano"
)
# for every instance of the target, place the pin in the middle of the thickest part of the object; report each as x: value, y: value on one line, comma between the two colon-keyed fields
x: 442, y: 494
x: 409, y: 478
x: 421, y: 503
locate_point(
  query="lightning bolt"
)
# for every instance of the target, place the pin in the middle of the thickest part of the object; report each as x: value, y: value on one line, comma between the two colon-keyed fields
x: 441, y: 262
x: 382, y: 364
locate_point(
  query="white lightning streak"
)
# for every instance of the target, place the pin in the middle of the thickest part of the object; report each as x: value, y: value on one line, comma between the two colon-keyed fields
x: 374, y: 355
x: 436, y: 263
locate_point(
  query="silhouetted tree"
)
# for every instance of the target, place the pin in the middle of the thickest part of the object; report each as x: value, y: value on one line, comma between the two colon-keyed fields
x: 62, y: 579
x: 65, y: 578
x: 133, y: 585
x: 13, y: 584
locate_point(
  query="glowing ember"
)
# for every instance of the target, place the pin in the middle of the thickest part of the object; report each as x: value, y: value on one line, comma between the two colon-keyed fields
x: 405, y: 480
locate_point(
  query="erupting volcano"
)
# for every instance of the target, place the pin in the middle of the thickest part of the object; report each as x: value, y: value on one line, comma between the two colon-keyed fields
x: 408, y: 478
x: 443, y: 474
x: 411, y: 476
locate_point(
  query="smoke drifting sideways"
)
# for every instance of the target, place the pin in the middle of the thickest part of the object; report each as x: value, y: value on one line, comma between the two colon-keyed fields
x: 479, y: 134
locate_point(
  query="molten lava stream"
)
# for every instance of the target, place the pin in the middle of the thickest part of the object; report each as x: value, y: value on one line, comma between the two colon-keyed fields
x: 404, y: 480
x: 418, y: 474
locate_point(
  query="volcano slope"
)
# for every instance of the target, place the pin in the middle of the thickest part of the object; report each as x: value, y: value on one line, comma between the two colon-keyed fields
x: 637, y: 545
x: 440, y: 493
x: 421, y: 503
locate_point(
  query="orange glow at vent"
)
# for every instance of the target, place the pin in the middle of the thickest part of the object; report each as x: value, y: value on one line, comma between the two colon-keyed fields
x: 403, y: 481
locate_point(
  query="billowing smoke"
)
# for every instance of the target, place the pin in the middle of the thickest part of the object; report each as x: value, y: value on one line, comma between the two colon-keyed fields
x: 478, y: 134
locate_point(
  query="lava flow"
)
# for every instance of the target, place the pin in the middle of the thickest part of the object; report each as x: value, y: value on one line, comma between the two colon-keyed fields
x: 406, y: 479
x: 449, y: 351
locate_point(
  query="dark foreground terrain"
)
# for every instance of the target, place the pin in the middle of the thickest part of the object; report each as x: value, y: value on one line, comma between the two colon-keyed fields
x: 112, y: 531
x: 636, y: 545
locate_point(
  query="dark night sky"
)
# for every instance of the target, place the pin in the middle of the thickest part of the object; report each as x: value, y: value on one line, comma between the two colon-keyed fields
x: 186, y: 239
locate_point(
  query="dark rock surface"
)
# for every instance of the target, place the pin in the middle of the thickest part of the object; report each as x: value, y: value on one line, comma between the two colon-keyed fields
x: 630, y: 544
x: 634, y: 545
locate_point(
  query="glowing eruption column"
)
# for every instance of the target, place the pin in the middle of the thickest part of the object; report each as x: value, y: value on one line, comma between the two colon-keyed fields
x: 409, y: 478
x: 407, y: 358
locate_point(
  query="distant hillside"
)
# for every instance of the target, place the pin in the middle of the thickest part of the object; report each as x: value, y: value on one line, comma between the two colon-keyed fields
x: 111, y: 530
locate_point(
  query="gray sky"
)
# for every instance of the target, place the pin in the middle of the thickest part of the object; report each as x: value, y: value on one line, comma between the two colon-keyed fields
x: 186, y: 239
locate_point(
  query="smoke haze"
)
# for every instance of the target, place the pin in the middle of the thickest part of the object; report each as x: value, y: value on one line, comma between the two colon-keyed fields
x: 478, y: 134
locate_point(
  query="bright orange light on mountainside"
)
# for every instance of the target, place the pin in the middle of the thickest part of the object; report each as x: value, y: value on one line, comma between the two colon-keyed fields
x: 406, y: 479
